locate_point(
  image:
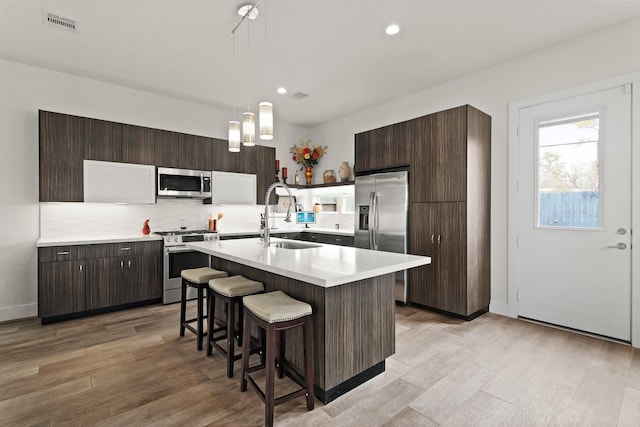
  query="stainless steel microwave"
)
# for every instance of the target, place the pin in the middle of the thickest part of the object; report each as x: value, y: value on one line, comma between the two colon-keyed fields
x: 185, y: 183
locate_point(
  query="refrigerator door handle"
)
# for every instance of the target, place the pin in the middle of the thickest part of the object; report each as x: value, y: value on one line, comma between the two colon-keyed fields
x: 371, y: 219
x: 376, y: 223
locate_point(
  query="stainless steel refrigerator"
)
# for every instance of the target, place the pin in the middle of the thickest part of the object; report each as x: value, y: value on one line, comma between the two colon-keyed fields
x: 382, y: 201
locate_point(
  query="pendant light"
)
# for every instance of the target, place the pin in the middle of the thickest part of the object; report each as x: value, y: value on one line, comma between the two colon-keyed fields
x: 265, y: 108
x: 234, y: 125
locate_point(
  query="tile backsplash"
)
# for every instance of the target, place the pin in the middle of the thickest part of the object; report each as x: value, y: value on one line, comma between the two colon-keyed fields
x: 63, y: 220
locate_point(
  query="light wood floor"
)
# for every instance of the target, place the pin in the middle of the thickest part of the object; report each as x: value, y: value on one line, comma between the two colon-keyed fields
x: 132, y: 368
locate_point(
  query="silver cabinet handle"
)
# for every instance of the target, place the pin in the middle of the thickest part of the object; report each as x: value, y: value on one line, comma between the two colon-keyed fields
x: 432, y: 237
x: 439, y: 239
x: 125, y: 249
x: 121, y: 265
x: 63, y: 253
x: 621, y: 246
x: 129, y: 263
x: 80, y: 267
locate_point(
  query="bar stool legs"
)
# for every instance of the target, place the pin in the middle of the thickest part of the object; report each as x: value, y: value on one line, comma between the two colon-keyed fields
x: 272, y: 307
x: 230, y: 291
x: 196, y: 278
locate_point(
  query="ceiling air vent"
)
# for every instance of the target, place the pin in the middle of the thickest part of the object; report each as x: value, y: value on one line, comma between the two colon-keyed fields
x: 58, y: 21
x: 299, y: 95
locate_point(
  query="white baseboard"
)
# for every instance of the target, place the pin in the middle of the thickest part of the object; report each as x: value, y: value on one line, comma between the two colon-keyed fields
x: 502, y: 308
x: 18, y: 312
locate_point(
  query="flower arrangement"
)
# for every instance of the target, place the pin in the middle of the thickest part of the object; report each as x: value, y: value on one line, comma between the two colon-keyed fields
x: 306, y: 155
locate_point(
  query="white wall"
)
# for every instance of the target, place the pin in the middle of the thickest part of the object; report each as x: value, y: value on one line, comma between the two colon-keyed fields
x: 27, y: 89
x: 598, y: 56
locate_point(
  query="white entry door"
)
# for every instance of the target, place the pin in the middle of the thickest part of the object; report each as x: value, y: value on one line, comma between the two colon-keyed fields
x: 574, y: 212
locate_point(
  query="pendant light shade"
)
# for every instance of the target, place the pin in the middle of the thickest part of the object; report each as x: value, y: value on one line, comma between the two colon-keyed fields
x: 248, y: 129
x: 266, y: 120
x: 234, y: 136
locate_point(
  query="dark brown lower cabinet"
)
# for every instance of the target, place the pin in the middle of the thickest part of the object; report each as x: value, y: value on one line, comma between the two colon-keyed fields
x: 61, y: 288
x: 148, y: 273
x: 104, y: 279
x: 451, y: 282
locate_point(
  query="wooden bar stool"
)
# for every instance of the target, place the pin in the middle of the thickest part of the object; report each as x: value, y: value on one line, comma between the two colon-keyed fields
x: 196, y: 278
x: 275, y: 312
x: 230, y: 291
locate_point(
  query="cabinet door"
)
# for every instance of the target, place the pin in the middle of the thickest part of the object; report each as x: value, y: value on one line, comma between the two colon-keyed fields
x: 61, y: 288
x: 438, y: 168
x: 438, y: 231
x: 223, y: 160
x: 146, y: 278
x: 386, y: 147
x: 265, y: 170
x: 103, y: 277
x: 141, y: 145
x: 246, y: 159
x: 102, y: 140
x: 423, y: 225
x: 202, y: 154
x: 60, y: 159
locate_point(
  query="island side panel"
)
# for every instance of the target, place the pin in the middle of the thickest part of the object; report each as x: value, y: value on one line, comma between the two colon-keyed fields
x: 354, y: 323
x: 360, y: 327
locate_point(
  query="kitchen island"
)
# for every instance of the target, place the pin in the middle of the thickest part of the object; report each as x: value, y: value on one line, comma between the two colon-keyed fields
x: 350, y: 291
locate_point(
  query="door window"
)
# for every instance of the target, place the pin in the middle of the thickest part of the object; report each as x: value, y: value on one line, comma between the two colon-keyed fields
x: 568, y: 182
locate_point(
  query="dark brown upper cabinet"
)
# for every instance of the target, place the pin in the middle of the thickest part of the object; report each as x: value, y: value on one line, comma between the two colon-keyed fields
x: 66, y: 140
x: 451, y: 155
x: 265, y: 170
x: 383, y: 148
x: 223, y: 160
x: 102, y: 140
x: 60, y: 158
x: 142, y: 145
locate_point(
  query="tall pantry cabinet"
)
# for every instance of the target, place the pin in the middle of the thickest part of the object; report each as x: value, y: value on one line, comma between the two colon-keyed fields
x: 449, y: 214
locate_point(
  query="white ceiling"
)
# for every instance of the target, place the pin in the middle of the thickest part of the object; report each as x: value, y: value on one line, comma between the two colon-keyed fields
x: 333, y: 50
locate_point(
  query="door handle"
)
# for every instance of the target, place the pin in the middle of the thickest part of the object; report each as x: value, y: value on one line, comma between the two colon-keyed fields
x: 621, y: 246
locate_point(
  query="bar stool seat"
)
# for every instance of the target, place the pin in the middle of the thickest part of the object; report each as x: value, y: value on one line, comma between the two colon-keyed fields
x: 275, y: 312
x: 229, y: 290
x: 197, y: 278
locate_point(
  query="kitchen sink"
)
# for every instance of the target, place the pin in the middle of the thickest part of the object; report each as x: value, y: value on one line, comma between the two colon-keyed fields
x: 293, y: 245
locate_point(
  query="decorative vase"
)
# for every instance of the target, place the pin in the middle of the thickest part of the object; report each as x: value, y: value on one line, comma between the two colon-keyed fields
x: 344, y: 172
x: 329, y: 176
x: 308, y: 174
x: 146, y: 230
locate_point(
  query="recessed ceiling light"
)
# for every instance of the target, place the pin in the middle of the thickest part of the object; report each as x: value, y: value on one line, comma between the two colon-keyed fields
x: 392, y: 29
x: 281, y: 90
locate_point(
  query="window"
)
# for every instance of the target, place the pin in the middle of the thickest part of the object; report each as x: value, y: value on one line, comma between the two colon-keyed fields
x: 568, y: 189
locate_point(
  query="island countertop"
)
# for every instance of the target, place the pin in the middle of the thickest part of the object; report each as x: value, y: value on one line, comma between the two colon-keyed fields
x: 325, y: 265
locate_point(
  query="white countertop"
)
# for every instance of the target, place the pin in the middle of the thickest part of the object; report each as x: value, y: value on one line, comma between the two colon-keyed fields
x: 326, y: 265
x: 89, y: 240
x: 97, y: 239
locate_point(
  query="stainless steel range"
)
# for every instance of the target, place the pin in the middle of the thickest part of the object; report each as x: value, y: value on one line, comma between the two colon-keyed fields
x: 178, y: 257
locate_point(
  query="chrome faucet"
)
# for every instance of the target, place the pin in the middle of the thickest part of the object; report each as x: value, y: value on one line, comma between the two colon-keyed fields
x: 266, y: 209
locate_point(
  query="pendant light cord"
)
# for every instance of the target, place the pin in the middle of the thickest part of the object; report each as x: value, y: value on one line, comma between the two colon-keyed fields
x: 248, y: 67
x: 266, y: 46
x: 234, y: 76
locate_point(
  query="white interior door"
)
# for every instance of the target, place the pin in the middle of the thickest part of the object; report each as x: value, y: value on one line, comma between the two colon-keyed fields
x: 574, y: 212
